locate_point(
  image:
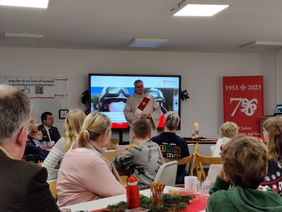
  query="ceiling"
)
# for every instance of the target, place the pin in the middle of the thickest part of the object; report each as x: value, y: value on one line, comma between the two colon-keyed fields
x: 112, y: 24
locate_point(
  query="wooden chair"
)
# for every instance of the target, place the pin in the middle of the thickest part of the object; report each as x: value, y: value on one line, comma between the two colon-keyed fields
x: 201, y: 160
x: 193, y: 164
x: 53, y: 187
x: 189, y: 162
x: 123, y: 179
x: 112, y: 154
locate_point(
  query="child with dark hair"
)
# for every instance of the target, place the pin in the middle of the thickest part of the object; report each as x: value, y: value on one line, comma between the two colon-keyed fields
x: 143, y: 160
x: 244, y: 167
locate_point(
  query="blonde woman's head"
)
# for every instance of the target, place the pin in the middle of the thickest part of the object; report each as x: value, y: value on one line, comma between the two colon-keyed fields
x: 171, y: 120
x: 95, y: 126
x: 72, y: 126
x: 229, y: 129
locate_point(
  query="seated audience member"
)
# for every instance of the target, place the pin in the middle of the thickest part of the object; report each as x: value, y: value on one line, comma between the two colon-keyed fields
x: 244, y: 168
x: 228, y: 130
x: 272, y: 132
x: 50, y: 133
x: 172, y: 146
x: 85, y: 174
x: 34, y: 148
x: 72, y: 125
x: 142, y: 160
x: 23, y: 185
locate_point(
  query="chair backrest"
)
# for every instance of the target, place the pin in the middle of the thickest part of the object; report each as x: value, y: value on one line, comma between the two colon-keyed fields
x: 189, y: 161
x: 53, y: 187
x: 201, y: 160
x: 167, y: 173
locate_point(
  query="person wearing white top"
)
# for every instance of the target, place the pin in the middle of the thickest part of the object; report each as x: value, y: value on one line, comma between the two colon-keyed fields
x: 72, y: 125
x: 227, y: 130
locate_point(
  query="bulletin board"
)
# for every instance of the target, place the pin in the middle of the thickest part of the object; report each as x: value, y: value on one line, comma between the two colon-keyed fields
x: 46, y: 93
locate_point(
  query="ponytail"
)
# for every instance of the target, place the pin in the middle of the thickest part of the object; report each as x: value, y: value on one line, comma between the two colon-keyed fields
x: 83, y: 138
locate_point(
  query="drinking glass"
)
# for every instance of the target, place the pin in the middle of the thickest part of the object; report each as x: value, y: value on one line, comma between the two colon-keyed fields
x: 157, y: 190
x: 196, y: 187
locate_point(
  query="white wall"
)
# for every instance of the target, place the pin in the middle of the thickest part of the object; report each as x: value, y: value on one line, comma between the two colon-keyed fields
x: 201, y: 74
x: 271, y: 66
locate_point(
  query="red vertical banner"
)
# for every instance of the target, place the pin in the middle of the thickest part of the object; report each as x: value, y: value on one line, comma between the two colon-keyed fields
x: 243, y: 102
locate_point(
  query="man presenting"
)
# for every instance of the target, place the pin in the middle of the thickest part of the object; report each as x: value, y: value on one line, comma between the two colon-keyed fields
x: 50, y: 133
x: 142, y: 106
x: 23, y: 185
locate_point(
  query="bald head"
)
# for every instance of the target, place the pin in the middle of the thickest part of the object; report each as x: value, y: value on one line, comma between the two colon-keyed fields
x: 14, y: 111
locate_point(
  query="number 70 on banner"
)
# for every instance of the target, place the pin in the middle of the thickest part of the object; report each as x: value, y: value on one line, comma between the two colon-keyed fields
x: 248, y: 106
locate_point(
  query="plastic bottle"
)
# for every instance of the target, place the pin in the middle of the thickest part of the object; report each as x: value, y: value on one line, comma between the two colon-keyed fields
x: 132, y: 193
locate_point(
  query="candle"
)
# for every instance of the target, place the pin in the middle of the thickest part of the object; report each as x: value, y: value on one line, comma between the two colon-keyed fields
x: 196, y: 126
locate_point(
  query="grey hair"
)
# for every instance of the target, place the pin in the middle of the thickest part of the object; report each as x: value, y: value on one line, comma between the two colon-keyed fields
x: 15, y: 108
x: 171, y: 120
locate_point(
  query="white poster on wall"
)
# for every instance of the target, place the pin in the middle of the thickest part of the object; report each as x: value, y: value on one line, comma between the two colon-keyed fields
x: 35, y: 87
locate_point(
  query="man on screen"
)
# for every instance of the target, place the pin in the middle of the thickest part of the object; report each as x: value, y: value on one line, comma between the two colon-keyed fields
x: 142, y: 106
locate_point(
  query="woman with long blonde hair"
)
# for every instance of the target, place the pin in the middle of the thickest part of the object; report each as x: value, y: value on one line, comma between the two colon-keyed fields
x: 72, y: 125
x: 272, y: 133
x: 85, y: 174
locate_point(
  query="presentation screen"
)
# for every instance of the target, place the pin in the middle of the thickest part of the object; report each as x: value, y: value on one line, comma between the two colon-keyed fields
x: 109, y: 92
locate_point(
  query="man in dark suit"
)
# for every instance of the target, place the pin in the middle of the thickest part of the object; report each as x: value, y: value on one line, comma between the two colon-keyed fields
x: 23, y: 185
x: 50, y: 133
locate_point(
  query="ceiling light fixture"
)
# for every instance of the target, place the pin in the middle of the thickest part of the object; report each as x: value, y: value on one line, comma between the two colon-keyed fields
x: 198, y: 9
x: 23, y: 35
x: 42, y: 4
x: 261, y: 45
x: 147, y: 42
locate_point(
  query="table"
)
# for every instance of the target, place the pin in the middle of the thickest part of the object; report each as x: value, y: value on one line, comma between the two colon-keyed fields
x: 201, y: 141
x: 103, y: 203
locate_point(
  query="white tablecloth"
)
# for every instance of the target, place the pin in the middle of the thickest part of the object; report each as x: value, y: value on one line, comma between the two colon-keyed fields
x: 103, y: 203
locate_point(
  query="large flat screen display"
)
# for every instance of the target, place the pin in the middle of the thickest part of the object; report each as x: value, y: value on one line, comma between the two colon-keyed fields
x: 109, y: 92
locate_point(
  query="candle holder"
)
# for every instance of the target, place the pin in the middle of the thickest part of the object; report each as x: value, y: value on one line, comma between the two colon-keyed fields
x: 157, y: 190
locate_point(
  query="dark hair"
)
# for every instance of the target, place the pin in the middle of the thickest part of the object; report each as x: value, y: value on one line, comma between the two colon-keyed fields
x: 44, y: 116
x: 137, y: 81
x: 245, y: 161
x: 142, y: 128
x: 14, y: 111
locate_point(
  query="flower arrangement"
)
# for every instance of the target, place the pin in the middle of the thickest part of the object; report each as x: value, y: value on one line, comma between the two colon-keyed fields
x: 171, y: 202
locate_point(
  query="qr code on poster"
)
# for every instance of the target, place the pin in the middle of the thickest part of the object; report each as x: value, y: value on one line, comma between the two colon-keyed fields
x: 39, y: 89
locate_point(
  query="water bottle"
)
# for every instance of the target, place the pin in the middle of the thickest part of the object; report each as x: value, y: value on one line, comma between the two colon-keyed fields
x: 132, y: 193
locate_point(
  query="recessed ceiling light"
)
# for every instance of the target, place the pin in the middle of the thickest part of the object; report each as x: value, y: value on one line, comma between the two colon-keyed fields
x: 147, y: 42
x: 261, y: 45
x: 23, y: 35
x: 205, y: 10
x: 25, y: 3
